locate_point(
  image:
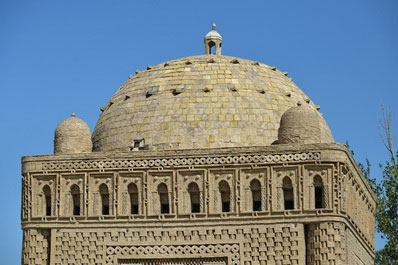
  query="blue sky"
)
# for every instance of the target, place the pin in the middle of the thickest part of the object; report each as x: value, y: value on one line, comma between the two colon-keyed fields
x: 62, y: 56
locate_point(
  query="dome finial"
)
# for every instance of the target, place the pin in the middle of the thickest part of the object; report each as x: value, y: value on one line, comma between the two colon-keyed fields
x: 213, y: 39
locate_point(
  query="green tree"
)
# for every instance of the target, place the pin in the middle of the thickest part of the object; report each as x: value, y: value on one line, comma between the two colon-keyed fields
x: 387, y: 213
x: 387, y: 197
x: 386, y: 191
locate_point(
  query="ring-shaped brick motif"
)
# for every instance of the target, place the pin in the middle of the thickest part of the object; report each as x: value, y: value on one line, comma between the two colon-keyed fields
x: 101, y: 164
x: 142, y: 252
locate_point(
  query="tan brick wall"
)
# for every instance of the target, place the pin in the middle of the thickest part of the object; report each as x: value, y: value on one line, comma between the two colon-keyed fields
x: 326, y: 243
x: 263, y: 244
x: 35, y: 249
x: 272, y: 235
x: 356, y: 253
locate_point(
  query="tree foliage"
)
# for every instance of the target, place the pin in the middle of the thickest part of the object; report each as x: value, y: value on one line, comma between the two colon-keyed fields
x: 387, y: 196
x: 386, y: 191
x: 387, y: 213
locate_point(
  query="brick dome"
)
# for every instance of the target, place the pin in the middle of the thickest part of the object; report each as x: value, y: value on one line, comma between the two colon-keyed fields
x: 205, y: 101
x: 303, y: 124
x: 72, y: 135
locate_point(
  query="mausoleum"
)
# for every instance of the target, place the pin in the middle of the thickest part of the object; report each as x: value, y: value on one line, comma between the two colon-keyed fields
x: 203, y: 160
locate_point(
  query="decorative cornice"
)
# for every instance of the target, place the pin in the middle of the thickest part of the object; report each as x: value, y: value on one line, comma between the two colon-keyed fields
x: 183, y: 161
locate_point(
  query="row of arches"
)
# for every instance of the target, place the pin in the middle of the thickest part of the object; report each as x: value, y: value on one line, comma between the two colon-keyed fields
x: 288, y: 193
x: 194, y: 197
x: 75, y: 193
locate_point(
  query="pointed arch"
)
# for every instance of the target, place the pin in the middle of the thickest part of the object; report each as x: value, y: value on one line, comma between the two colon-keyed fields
x: 288, y: 194
x: 47, y: 199
x: 255, y: 187
x: 319, y: 192
x: 133, y: 194
x: 225, y: 193
x: 104, y: 192
x: 210, y: 46
x: 75, y: 192
x: 163, y: 198
x: 194, y: 195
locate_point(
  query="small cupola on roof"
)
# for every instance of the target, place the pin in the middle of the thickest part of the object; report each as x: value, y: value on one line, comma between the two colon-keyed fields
x: 303, y: 124
x: 72, y: 135
x: 213, y: 38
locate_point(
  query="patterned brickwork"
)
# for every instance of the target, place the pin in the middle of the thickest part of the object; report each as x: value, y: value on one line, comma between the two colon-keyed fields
x: 261, y: 245
x: 153, y: 252
x: 357, y: 254
x: 174, y: 261
x: 80, y: 247
x: 273, y: 245
x: 359, y: 206
x: 36, y: 247
x: 325, y: 173
x: 183, y: 162
x: 207, y: 176
x: 26, y: 203
x: 147, y: 181
x: 326, y: 243
x: 90, y: 236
